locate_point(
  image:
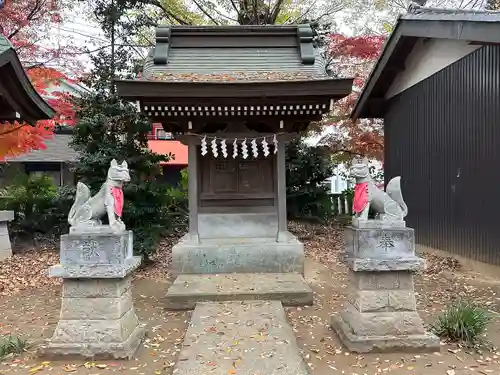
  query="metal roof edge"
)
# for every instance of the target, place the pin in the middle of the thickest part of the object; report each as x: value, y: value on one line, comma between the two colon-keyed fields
x: 134, y: 89
x: 414, y: 9
x: 229, y: 29
x: 389, y: 45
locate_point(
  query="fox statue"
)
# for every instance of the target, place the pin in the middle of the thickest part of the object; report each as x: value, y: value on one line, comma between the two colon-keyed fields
x: 388, y: 204
x: 87, y: 210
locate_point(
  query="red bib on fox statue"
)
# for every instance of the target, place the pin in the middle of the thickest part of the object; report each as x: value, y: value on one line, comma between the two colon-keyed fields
x: 360, y: 200
x: 117, y: 193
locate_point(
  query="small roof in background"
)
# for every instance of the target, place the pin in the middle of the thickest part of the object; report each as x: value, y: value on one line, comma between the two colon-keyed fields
x: 478, y: 27
x: 163, y: 147
x: 18, y: 98
x: 58, y: 151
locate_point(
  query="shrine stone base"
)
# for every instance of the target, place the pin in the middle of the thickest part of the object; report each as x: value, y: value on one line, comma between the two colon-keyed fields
x: 380, y: 313
x: 97, y: 318
x: 238, y: 255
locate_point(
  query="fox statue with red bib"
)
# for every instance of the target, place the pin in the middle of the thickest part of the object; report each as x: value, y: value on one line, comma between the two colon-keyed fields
x: 87, y: 210
x: 388, y: 205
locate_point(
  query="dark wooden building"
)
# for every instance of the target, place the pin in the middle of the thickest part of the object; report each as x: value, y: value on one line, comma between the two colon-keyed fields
x: 18, y: 99
x: 437, y: 87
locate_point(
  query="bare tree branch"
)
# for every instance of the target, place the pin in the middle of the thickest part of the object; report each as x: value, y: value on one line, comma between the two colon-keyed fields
x: 12, y: 130
x: 234, y: 6
x: 276, y: 11
x: 169, y: 14
x: 206, y: 13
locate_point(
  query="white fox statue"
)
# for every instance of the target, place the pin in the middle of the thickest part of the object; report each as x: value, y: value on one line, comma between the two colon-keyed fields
x: 87, y: 211
x: 389, y: 204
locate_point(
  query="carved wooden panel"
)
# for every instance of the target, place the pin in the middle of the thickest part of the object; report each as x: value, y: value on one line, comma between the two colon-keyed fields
x: 254, y: 176
x: 230, y: 178
x: 223, y: 176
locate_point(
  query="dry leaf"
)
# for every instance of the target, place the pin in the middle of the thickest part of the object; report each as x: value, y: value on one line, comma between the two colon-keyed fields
x: 35, y: 369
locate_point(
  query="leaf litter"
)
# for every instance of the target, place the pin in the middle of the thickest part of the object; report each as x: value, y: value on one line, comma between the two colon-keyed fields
x: 35, y: 314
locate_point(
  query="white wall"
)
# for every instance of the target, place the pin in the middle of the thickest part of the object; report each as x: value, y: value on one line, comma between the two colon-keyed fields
x: 427, y: 58
x: 337, y: 184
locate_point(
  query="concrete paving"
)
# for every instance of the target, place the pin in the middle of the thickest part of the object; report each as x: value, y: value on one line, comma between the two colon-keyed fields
x: 244, y: 338
x: 289, y: 288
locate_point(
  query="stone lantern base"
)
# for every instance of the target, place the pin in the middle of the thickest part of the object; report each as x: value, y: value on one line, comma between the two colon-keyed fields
x: 380, y: 313
x: 97, y: 314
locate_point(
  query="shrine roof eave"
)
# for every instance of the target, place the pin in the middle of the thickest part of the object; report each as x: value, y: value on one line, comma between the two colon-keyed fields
x: 17, y: 92
x: 166, y: 90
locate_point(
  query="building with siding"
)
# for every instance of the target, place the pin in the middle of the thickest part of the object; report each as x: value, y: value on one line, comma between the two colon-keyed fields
x: 437, y: 87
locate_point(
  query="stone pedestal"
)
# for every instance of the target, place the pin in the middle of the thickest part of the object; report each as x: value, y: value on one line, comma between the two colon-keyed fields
x: 380, y: 313
x: 245, y: 255
x: 238, y: 243
x: 97, y: 318
x: 5, y: 246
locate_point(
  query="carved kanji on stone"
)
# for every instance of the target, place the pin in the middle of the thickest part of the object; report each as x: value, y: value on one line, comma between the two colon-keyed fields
x: 386, y: 242
x: 89, y: 250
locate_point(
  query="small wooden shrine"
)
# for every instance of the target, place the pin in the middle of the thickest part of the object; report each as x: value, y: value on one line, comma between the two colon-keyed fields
x: 235, y: 95
x: 18, y: 99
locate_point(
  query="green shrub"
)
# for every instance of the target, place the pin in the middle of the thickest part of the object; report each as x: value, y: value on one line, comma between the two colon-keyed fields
x: 308, y: 167
x: 463, y: 322
x: 153, y: 210
x: 12, y: 345
x: 40, y: 208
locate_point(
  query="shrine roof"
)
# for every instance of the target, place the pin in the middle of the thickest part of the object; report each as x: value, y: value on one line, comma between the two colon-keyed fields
x: 18, y: 98
x: 228, y: 61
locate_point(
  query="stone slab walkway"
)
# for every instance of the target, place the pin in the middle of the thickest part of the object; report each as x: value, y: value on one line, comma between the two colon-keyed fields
x: 244, y: 338
x: 289, y: 288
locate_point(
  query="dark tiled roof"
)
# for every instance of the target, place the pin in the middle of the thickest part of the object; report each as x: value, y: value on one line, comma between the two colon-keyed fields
x: 58, y: 150
x: 416, y: 12
x: 16, y: 91
x: 234, y: 53
x: 481, y: 27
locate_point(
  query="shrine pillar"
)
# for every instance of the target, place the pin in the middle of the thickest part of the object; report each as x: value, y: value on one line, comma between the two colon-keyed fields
x: 282, y: 235
x: 193, y: 190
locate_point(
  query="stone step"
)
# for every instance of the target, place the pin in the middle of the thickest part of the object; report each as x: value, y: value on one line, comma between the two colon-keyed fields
x: 244, y: 338
x: 289, y: 288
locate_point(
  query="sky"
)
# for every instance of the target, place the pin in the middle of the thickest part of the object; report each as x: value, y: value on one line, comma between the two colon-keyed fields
x: 80, y: 30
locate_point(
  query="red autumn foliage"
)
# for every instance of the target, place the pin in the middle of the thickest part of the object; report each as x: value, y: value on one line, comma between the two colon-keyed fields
x: 354, y: 57
x: 29, y: 25
x: 18, y: 138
